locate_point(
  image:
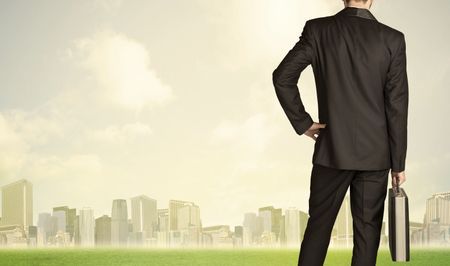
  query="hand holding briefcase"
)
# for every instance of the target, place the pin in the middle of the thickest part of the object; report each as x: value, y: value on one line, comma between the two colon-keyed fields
x: 398, y: 223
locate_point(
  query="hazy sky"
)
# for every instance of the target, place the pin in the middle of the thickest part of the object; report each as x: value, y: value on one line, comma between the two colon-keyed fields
x: 174, y: 99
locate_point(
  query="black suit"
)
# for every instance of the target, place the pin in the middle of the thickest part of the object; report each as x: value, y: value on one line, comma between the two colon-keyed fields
x: 359, y: 67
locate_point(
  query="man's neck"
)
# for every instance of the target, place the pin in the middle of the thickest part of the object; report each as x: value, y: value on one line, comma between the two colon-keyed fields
x: 357, y: 5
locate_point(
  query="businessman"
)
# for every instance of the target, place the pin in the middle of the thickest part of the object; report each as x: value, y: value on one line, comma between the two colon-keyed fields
x: 359, y: 66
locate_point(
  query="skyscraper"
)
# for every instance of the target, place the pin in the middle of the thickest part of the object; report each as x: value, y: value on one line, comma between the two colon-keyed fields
x: 163, y: 220
x: 119, y: 222
x: 271, y: 219
x: 86, y: 227
x: 144, y: 215
x: 163, y: 234
x: 17, y: 203
x: 250, y: 228
x: 188, y: 217
x: 438, y: 209
x: 185, y: 223
x: 266, y: 216
x: 103, y: 230
x: 70, y: 218
x: 61, y: 220
x: 174, y: 206
x: 292, y: 226
x: 47, y: 226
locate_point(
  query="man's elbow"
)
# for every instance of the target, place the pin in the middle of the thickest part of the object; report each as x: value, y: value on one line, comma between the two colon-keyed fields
x: 276, y: 78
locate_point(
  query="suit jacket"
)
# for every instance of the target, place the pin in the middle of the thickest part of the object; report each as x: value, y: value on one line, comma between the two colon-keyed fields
x: 359, y: 67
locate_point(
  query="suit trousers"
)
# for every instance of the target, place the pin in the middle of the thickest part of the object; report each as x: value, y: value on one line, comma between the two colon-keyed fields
x: 328, y: 186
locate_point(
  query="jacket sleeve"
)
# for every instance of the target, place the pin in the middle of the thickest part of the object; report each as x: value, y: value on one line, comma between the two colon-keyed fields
x: 396, y: 106
x: 285, y: 78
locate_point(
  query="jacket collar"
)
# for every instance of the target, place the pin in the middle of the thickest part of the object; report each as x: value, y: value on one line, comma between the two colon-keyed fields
x: 355, y: 11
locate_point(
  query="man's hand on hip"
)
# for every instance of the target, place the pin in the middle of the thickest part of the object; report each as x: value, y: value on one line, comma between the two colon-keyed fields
x: 314, y: 130
x: 401, y: 177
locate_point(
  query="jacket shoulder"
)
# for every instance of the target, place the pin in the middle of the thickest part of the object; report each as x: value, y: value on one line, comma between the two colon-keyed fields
x: 316, y: 25
x: 391, y: 33
x: 320, y: 21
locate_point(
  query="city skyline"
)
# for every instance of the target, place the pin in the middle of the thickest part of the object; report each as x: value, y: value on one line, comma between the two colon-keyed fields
x: 141, y: 98
x: 130, y: 213
x: 440, y: 195
x: 181, y: 225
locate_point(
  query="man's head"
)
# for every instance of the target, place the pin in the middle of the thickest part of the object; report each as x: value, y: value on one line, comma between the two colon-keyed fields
x: 358, y: 3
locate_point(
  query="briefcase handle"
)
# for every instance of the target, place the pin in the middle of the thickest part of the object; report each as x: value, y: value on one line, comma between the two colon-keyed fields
x: 397, y: 186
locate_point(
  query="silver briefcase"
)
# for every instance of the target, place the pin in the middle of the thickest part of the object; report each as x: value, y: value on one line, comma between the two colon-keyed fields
x: 398, y: 224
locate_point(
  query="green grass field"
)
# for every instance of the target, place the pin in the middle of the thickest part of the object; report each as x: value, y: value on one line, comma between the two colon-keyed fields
x: 195, y: 257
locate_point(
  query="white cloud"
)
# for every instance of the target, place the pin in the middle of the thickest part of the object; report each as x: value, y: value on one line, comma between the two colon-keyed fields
x: 255, y: 31
x: 121, y: 67
x: 123, y: 133
x: 34, y: 128
x: 109, y: 6
x: 76, y: 166
x: 254, y: 133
